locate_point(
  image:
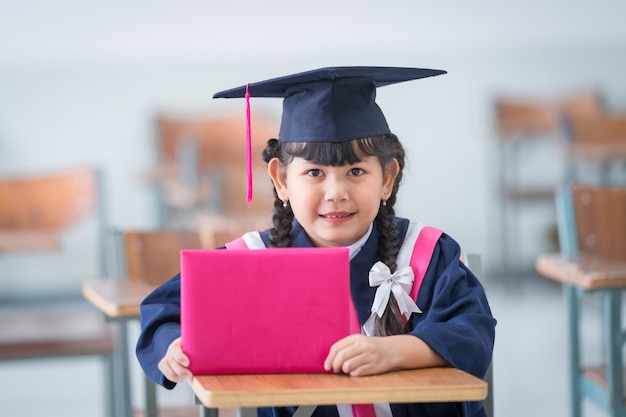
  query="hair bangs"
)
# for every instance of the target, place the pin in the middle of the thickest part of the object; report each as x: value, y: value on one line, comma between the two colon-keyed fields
x: 332, y: 153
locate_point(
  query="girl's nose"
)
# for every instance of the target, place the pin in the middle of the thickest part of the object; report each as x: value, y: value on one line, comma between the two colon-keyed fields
x: 336, y: 189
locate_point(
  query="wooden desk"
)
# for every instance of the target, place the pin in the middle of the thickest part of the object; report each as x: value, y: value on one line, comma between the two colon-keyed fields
x: 119, y: 301
x: 602, y: 384
x: 247, y: 392
x: 117, y: 298
x: 585, y: 272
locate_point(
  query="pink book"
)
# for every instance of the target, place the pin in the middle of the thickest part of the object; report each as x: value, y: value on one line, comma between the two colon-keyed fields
x: 263, y: 311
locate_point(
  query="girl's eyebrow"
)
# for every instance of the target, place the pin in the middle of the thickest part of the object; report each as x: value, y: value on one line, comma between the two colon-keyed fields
x: 311, y: 163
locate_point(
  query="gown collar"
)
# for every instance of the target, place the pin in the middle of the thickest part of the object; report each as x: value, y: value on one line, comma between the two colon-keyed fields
x: 299, y: 238
x: 355, y: 248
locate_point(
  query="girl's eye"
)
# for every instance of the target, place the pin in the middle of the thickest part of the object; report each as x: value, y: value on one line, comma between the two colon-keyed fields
x: 315, y: 173
x: 356, y: 171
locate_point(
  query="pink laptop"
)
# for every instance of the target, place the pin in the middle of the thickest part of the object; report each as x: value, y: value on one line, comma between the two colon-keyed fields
x: 263, y: 311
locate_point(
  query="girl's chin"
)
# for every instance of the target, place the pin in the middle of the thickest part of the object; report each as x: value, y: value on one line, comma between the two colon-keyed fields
x: 336, y: 240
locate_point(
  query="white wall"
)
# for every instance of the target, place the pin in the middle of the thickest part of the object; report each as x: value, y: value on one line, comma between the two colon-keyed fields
x: 81, y: 82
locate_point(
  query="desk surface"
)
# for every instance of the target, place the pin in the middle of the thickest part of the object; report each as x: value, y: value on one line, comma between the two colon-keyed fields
x: 116, y: 298
x: 587, y: 272
x: 262, y: 390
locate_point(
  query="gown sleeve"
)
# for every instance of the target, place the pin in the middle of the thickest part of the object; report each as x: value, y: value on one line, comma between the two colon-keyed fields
x: 160, y: 326
x: 456, y: 321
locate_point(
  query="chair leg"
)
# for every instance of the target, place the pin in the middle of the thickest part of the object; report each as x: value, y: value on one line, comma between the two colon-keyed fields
x: 151, y: 409
x: 109, y: 385
x: 121, y: 373
x: 573, y: 317
x: 614, y: 352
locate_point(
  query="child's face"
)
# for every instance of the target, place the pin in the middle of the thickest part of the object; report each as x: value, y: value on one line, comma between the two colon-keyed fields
x: 335, y: 205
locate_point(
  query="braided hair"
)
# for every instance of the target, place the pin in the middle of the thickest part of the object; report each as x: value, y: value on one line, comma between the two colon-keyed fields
x: 386, y: 148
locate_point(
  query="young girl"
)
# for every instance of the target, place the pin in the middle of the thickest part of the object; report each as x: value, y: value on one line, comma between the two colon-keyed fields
x: 336, y: 169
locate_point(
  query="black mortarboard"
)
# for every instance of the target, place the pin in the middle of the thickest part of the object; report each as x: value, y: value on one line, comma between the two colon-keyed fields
x: 334, y: 104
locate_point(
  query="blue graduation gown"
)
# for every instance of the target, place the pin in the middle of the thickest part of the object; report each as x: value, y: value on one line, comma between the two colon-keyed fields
x: 456, y: 320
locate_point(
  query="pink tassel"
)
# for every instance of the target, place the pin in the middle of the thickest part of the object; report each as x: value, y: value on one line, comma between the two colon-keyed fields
x: 248, y: 148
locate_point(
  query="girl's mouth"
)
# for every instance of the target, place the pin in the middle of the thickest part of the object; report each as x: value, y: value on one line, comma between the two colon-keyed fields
x: 336, y: 216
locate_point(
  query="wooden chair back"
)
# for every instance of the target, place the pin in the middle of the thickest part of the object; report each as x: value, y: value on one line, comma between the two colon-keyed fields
x: 607, y: 129
x: 35, y: 209
x: 220, y: 156
x: 582, y: 104
x: 216, y: 231
x: 600, y: 220
x: 596, y: 146
x: 153, y: 257
x: 525, y: 117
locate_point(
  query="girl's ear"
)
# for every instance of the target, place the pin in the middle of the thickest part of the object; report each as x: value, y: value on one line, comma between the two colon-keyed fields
x: 277, y: 173
x: 389, y: 176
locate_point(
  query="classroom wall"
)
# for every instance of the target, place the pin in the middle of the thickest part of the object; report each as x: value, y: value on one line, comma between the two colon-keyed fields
x: 81, y: 83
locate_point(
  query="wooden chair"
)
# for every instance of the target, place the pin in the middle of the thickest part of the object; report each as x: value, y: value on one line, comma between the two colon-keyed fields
x: 598, y: 143
x: 473, y: 262
x: 142, y: 260
x: 152, y: 256
x: 202, y: 167
x: 583, y: 104
x: 217, y: 230
x: 592, y: 232
x: 522, y: 125
x: 35, y: 212
x: 149, y: 257
x: 36, y: 209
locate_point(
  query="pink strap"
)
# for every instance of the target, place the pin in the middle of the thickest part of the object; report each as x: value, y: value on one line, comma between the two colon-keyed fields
x: 422, y: 253
x: 363, y: 410
x: 238, y: 243
x: 420, y: 259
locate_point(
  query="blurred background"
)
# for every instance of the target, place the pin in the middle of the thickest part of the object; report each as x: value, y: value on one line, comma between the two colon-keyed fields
x: 84, y: 83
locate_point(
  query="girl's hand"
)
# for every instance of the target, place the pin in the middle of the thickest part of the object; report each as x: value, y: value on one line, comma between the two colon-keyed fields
x: 174, y: 364
x: 360, y: 355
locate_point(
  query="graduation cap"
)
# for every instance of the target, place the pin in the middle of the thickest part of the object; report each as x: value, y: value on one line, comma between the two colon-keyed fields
x: 334, y: 104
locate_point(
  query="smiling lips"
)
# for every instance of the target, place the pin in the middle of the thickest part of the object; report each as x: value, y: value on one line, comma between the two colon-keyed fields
x: 336, y: 217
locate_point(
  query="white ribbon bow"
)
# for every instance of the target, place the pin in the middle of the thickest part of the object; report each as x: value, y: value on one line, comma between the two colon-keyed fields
x: 399, y: 283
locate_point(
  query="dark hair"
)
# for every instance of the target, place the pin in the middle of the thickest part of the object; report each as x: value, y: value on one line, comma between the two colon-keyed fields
x: 386, y: 148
